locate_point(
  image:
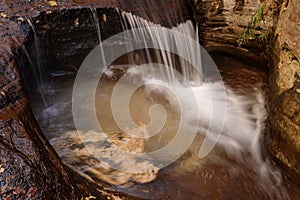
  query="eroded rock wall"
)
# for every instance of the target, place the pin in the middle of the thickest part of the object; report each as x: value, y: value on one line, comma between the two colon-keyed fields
x: 29, y: 168
x: 284, y: 137
x: 222, y: 22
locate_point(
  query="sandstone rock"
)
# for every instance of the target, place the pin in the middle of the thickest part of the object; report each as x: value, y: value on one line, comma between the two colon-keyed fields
x: 284, y: 138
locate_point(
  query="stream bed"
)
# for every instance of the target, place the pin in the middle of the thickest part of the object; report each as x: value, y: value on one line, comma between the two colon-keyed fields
x: 220, y: 175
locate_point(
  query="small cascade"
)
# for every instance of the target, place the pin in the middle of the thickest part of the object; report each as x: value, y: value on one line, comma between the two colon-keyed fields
x: 36, y: 77
x: 140, y: 27
x: 39, y: 77
x: 245, y: 118
x: 244, y: 137
x: 37, y: 51
x: 96, y: 21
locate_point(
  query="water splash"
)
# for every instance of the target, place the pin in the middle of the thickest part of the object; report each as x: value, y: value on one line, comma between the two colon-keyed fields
x: 244, y: 124
x: 245, y: 115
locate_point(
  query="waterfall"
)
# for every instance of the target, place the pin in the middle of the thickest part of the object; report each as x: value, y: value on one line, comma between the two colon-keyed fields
x: 245, y: 118
x: 34, y: 62
x: 136, y: 23
x: 244, y: 115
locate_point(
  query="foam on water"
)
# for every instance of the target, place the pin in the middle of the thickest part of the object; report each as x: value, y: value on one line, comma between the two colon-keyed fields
x: 245, y: 115
x: 244, y: 126
x: 245, y: 120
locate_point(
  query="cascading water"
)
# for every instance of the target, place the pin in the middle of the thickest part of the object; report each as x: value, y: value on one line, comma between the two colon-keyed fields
x: 39, y: 77
x: 245, y: 117
x: 242, y: 119
x: 96, y: 21
x: 37, y: 51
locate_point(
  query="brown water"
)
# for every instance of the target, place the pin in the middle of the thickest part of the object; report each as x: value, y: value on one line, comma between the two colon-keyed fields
x: 217, y: 176
x: 235, y: 169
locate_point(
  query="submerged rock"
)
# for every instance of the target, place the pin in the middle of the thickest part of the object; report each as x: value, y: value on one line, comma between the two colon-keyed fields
x: 95, y: 155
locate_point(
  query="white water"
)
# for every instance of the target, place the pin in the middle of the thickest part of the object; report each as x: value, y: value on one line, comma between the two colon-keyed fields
x: 245, y: 120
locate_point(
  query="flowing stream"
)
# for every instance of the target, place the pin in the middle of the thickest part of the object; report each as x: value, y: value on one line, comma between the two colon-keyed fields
x: 235, y: 168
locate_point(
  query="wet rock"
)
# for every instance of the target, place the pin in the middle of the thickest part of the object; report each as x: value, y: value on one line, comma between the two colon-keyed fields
x: 29, y: 167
